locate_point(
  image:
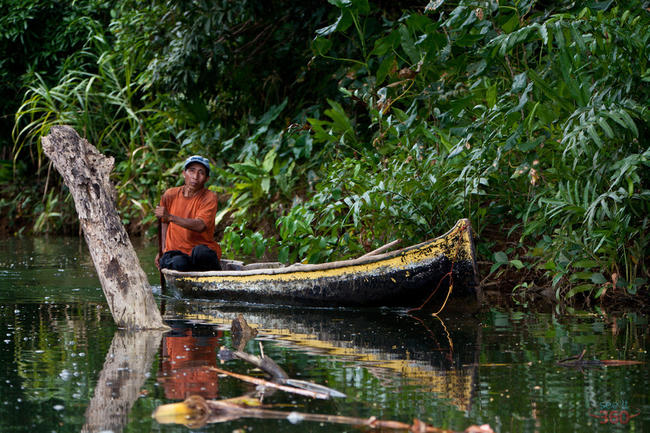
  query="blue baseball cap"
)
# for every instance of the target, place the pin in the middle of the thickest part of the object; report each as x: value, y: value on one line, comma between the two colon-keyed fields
x: 201, y: 160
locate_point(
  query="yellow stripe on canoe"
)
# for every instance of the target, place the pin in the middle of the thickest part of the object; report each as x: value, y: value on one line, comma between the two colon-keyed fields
x: 450, y: 244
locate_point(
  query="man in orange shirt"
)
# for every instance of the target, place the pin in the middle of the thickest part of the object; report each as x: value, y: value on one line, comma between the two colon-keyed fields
x: 187, y: 214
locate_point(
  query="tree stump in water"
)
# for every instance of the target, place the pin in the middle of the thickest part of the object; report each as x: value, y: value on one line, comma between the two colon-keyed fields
x: 86, y: 172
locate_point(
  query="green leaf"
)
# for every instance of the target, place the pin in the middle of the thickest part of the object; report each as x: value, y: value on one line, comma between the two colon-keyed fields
x: 500, y: 257
x: 491, y: 96
x: 269, y: 160
x: 433, y: 5
x: 469, y: 40
x: 386, y: 44
x: 341, y: 24
x: 272, y: 113
x: 247, y: 245
x: 519, y: 83
x: 259, y: 249
x: 586, y: 264
x: 517, y: 264
x: 585, y: 275
x: 530, y: 145
x: 321, y: 45
x: 629, y: 122
x: 266, y: 184
x: 577, y: 37
x: 408, y: 44
x: 579, y: 289
x: 384, y: 68
x: 247, y: 168
x: 511, y: 24
x: 360, y: 5
x: 591, y: 130
x: 598, y: 278
x: 543, y: 33
x: 494, y: 267
x: 283, y: 255
x: 605, y: 126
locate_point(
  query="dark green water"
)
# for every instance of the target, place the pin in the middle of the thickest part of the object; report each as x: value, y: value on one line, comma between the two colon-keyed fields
x: 64, y: 368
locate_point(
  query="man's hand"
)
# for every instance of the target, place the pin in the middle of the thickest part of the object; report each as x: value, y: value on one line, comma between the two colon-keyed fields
x: 162, y: 213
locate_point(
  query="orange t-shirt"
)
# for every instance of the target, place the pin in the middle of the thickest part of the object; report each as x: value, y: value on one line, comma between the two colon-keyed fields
x: 204, y: 206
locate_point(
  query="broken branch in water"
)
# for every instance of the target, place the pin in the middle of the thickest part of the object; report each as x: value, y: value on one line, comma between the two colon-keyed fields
x: 196, y: 412
x: 266, y: 364
x: 266, y: 383
x: 278, y: 375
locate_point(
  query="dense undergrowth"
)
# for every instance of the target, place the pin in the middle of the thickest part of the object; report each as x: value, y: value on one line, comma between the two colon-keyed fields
x: 335, y: 128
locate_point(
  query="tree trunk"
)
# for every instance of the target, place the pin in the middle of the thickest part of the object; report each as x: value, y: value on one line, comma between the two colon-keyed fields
x: 86, y: 172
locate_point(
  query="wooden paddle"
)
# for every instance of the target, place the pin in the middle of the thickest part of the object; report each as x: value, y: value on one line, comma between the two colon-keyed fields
x: 160, y: 253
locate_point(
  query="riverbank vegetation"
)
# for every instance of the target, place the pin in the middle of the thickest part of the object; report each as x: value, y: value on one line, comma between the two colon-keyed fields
x: 337, y: 127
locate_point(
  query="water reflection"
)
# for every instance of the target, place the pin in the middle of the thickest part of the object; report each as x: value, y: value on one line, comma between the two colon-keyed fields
x: 186, y: 352
x: 57, y: 332
x: 120, y: 382
x: 397, y: 349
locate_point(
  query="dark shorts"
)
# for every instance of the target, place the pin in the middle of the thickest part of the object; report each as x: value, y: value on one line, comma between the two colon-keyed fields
x: 202, y: 259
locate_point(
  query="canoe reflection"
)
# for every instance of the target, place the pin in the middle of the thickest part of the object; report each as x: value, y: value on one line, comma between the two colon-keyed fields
x: 398, y: 349
x: 186, y: 352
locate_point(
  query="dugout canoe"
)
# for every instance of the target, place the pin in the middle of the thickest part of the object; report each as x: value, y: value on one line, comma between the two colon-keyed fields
x: 438, y: 269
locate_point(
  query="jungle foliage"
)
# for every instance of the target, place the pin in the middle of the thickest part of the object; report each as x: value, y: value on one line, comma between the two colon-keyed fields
x: 336, y: 127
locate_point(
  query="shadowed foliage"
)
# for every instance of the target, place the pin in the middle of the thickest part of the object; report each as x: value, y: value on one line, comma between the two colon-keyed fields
x: 336, y: 127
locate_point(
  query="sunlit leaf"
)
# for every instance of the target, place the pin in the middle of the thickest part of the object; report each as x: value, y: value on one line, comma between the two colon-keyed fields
x: 433, y: 5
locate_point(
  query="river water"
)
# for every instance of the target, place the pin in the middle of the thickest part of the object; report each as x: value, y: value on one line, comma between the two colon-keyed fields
x: 66, y: 368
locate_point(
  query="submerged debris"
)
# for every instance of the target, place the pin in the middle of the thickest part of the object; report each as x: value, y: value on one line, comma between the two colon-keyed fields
x: 578, y: 362
x: 195, y: 412
x: 241, y: 332
x: 279, y: 378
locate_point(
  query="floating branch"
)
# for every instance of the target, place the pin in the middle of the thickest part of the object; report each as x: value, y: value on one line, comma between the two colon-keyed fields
x: 266, y: 364
x: 579, y: 362
x: 266, y: 383
x: 195, y: 412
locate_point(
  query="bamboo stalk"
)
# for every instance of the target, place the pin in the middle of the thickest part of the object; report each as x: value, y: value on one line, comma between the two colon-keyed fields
x: 382, y: 249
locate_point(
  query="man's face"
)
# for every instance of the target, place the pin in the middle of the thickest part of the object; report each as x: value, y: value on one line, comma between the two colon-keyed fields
x: 195, y: 175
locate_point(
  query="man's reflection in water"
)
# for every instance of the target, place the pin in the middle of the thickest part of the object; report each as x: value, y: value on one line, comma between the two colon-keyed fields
x: 186, y: 352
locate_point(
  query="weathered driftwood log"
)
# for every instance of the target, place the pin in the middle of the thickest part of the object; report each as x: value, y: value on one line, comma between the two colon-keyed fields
x: 120, y: 382
x: 86, y: 173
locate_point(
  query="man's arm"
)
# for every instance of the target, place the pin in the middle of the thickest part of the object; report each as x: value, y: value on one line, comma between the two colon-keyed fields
x: 194, y: 224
